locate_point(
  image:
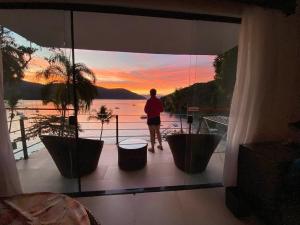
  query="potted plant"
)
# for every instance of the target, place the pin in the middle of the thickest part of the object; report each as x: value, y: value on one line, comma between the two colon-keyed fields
x: 56, y: 133
x: 192, y: 152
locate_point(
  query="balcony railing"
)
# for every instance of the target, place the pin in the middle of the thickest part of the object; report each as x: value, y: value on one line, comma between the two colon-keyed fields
x: 208, y: 122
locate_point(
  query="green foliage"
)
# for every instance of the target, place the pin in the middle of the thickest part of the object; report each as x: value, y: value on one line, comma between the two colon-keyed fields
x: 49, y: 124
x: 103, y: 115
x: 225, y: 72
x: 15, y: 57
x: 214, y: 95
x: 15, y: 60
x: 59, y: 89
x: 175, y: 101
x: 199, y: 94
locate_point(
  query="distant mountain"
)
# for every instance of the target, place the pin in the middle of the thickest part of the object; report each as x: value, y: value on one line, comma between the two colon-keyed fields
x: 32, y: 91
x: 117, y: 93
x: 211, y: 97
x: 203, y: 95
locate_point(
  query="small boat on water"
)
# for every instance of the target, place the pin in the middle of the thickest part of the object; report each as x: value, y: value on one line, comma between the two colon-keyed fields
x: 143, y: 117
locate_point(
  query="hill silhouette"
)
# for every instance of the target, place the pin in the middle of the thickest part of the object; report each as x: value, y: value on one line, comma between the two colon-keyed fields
x: 200, y: 94
x: 32, y: 91
x: 213, y: 96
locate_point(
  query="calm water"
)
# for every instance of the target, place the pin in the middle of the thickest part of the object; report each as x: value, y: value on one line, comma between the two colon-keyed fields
x: 128, y: 111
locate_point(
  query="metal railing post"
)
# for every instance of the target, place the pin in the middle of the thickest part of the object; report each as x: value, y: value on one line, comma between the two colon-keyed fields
x: 117, y: 129
x: 181, y: 130
x: 23, y: 138
x: 190, y: 121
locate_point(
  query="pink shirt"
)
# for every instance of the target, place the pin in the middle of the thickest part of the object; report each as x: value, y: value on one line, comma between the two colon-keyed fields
x: 153, y: 107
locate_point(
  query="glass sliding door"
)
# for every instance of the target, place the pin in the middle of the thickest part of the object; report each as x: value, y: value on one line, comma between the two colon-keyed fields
x: 38, y: 73
x: 207, y: 110
x: 76, y: 87
x: 126, y: 56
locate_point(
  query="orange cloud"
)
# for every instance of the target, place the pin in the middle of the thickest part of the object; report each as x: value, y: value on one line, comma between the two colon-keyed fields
x: 35, y: 65
x: 164, y: 78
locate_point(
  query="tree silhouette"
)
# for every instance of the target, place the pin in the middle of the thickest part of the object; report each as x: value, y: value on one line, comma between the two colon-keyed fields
x: 59, y: 89
x: 15, y: 60
x: 214, y: 94
x: 104, y: 115
x: 12, y: 100
x: 15, y: 57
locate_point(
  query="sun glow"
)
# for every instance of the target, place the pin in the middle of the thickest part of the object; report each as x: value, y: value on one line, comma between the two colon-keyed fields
x: 141, y: 73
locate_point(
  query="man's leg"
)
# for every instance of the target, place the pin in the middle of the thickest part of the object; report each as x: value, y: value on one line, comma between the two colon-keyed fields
x: 157, y: 131
x: 152, y: 137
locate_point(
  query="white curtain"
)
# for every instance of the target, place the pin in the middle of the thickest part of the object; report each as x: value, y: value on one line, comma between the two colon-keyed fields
x: 9, y: 178
x: 265, y: 85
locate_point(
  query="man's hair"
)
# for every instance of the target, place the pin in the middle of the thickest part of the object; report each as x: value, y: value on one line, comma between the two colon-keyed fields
x: 152, y: 92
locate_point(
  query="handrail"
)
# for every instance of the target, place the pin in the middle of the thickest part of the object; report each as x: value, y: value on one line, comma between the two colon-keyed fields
x: 14, y: 131
x: 23, y: 129
x: 8, y: 121
x: 210, y: 110
x: 215, y: 120
x: 32, y: 109
x: 18, y: 151
x: 34, y: 144
x: 113, y: 129
x: 163, y: 121
x: 133, y: 128
x: 146, y: 135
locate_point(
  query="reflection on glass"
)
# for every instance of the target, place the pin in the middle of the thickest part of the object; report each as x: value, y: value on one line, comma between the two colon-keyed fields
x: 209, y: 107
x: 39, y: 95
x: 111, y: 89
x: 196, y: 85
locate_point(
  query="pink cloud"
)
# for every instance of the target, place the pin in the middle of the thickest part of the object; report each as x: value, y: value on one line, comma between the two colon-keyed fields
x: 167, y: 79
x: 164, y: 78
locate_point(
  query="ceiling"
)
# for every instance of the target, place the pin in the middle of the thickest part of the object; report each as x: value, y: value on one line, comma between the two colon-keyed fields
x: 125, y: 33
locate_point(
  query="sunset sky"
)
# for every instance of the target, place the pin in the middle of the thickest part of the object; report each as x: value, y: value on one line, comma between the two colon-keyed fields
x: 137, y: 72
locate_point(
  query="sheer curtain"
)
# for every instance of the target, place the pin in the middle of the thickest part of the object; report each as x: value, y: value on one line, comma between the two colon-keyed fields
x: 265, y: 84
x: 9, y: 178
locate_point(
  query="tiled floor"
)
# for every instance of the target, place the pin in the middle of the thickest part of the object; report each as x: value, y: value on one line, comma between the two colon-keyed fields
x: 39, y: 173
x: 194, y: 207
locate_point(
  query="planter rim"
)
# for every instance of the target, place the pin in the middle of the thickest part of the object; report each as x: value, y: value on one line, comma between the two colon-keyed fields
x: 194, y: 135
x: 61, y: 137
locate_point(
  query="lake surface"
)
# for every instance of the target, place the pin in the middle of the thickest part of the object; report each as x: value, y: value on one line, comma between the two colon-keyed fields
x: 130, y: 121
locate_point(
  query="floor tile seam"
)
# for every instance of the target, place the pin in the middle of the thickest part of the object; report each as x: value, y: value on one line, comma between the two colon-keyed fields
x: 180, y: 204
x: 135, y: 210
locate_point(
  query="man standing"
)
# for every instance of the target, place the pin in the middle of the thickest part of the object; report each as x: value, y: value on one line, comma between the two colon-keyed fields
x: 153, y: 108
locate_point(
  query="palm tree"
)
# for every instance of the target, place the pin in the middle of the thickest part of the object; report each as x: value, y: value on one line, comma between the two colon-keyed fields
x: 104, y: 115
x: 12, y: 100
x: 59, y: 89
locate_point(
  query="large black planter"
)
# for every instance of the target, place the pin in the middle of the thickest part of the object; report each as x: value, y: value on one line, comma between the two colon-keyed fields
x: 63, y: 152
x: 192, y: 152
